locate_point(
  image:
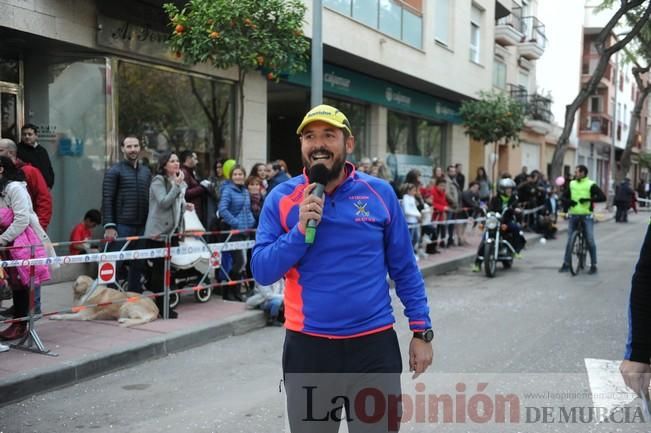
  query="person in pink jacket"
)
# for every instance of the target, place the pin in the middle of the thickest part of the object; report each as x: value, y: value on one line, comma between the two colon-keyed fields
x: 19, y: 227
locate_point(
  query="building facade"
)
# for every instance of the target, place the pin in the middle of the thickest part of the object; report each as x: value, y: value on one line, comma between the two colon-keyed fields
x: 89, y: 72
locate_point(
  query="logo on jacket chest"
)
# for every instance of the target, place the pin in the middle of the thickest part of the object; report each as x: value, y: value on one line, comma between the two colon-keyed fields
x: 361, y: 206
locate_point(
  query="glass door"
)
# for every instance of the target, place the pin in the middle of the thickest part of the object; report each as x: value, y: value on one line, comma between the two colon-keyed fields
x: 11, y: 112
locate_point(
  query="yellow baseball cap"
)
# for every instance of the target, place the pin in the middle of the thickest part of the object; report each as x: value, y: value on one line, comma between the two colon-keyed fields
x: 327, y: 114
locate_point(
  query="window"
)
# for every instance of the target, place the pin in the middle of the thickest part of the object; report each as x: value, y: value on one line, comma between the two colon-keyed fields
x: 595, y: 104
x: 9, y: 69
x: 411, y: 29
x: 499, y: 73
x: 342, y: 6
x: 357, y: 114
x: 390, y: 18
x: 402, y: 20
x: 523, y: 79
x: 408, y: 135
x: 442, y: 21
x: 475, y: 34
x: 366, y: 12
x: 173, y: 111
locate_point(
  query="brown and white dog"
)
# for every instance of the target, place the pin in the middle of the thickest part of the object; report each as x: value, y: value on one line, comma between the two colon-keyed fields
x: 127, y: 314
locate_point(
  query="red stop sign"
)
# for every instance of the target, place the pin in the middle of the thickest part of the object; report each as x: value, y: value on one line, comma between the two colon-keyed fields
x: 107, y: 272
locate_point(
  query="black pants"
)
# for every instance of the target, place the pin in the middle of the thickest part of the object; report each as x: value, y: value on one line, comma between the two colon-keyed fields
x: 323, y: 375
x: 621, y: 215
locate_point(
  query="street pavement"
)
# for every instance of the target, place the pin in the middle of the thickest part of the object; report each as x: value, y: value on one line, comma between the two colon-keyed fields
x: 528, y: 327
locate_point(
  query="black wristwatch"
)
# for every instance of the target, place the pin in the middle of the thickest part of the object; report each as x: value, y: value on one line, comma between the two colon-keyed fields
x: 427, y: 335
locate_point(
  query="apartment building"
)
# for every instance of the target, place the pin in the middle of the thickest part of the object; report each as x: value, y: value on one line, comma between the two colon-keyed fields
x: 605, y: 117
x: 400, y: 70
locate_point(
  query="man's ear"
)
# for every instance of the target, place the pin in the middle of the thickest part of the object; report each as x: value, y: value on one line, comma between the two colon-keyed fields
x: 350, y: 144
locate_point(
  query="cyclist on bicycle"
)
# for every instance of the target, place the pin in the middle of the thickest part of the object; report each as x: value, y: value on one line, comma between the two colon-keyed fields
x: 578, y: 198
x: 506, y: 203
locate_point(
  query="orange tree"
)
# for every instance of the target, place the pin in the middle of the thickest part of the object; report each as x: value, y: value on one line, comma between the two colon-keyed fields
x: 249, y: 35
x: 494, y: 118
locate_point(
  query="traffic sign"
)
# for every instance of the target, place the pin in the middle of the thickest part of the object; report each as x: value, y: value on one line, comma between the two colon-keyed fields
x: 106, y: 272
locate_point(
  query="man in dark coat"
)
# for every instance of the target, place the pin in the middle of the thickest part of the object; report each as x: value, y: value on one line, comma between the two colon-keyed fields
x: 31, y: 152
x: 623, y: 199
x: 125, y: 204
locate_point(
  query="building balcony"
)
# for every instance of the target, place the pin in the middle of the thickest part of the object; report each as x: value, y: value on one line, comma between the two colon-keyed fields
x: 536, y: 107
x: 588, y: 66
x: 595, y: 127
x: 508, y: 30
x: 534, y: 40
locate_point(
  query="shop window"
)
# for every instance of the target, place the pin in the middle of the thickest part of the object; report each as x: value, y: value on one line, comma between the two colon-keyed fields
x: 357, y: 115
x: 413, y: 142
x: 10, y: 69
x: 66, y: 100
x: 175, y: 111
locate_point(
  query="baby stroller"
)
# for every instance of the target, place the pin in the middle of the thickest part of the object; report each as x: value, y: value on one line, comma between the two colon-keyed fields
x: 192, y: 268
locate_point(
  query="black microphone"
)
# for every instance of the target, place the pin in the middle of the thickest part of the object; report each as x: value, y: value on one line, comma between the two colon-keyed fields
x: 319, y: 175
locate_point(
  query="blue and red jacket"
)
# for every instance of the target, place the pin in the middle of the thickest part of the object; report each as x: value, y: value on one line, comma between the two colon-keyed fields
x: 337, y: 287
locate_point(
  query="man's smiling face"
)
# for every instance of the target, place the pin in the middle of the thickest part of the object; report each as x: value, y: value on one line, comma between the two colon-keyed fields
x: 322, y: 143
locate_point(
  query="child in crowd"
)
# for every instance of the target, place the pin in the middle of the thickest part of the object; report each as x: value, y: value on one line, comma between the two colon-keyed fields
x: 83, y: 232
x: 412, y: 214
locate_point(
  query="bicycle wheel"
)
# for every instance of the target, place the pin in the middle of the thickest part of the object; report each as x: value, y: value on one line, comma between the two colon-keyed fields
x: 490, y: 263
x: 576, y: 243
x: 583, y: 252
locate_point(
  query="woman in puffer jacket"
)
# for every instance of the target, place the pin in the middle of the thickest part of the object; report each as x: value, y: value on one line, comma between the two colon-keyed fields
x: 20, y: 228
x: 235, y: 211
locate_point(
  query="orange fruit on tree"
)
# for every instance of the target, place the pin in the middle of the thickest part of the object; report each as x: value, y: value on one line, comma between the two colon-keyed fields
x: 180, y: 28
x: 260, y: 60
x: 270, y: 76
x: 214, y: 35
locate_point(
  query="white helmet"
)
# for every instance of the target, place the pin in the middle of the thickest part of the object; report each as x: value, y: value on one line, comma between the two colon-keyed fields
x: 505, y: 183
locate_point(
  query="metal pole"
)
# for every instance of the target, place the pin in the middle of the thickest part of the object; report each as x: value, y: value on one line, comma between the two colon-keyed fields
x: 613, y: 165
x: 167, y: 278
x: 316, y: 94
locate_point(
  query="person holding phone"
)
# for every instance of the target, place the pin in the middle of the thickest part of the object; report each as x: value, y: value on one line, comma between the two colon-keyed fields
x: 166, y: 207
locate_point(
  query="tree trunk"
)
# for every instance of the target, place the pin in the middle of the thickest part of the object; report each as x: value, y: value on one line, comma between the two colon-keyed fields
x: 604, y: 56
x: 636, y: 115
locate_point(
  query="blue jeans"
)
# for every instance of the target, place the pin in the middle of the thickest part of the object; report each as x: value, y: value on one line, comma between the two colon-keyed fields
x: 588, y: 223
x: 136, y: 267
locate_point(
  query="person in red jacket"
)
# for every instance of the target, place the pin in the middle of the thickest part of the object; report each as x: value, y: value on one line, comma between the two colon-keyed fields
x: 36, y: 186
x: 439, y: 203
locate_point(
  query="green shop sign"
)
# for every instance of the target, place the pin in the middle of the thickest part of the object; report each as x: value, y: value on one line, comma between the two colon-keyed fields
x: 339, y: 81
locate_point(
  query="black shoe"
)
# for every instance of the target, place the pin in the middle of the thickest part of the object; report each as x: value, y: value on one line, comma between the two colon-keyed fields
x: 564, y: 268
x: 450, y: 242
x: 593, y: 270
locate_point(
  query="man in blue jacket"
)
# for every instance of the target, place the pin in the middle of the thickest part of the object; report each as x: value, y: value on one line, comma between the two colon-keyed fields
x: 338, y: 311
x: 125, y: 203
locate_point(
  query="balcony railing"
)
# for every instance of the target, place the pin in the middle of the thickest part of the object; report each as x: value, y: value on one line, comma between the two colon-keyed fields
x: 513, y: 19
x: 534, y: 31
x: 595, y: 122
x: 536, y: 106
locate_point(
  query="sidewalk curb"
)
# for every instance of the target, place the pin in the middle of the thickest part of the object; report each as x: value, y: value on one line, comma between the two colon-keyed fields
x: 51, y: 378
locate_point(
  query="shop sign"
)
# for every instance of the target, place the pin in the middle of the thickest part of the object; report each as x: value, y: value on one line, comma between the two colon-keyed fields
x: 343, y: 82
x: 125, y: 36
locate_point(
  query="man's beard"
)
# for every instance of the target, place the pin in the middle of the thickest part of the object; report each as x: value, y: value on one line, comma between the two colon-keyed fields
x: 333, y: 173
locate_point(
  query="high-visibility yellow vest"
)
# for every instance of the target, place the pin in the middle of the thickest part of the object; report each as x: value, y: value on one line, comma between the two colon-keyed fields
x: 580, y: 189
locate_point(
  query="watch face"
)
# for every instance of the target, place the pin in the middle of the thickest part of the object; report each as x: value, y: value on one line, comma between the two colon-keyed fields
x: 428, y: 335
